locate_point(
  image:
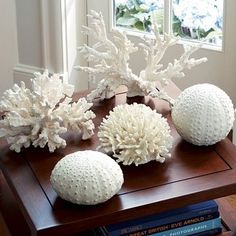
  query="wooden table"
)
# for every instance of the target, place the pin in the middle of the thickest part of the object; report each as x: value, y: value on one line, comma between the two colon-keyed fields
x: 193, y: 174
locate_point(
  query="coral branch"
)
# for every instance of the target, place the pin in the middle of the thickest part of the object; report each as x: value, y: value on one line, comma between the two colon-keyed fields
x: 38, y: 117
x: 111, y: 59
x: 154, y: 50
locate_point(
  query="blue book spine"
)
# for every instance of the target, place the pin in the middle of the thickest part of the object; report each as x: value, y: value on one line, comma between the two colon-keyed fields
x: 208, y: 207
x: 210, y: 232
x: 173, y: 225
x: 192, y: 229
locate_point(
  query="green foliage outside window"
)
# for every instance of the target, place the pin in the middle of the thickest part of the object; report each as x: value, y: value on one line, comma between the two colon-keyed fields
x: 139, y: 14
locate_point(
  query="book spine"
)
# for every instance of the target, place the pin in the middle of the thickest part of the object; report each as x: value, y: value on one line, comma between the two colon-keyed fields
x: 210, y: 232
x: 101, y: 232
x: 158, y: 222
x: 174, y: 225
x: 192, y: 229
x: 199, y: 209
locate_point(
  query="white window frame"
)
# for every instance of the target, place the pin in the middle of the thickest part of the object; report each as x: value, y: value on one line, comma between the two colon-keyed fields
x: 59, y: 45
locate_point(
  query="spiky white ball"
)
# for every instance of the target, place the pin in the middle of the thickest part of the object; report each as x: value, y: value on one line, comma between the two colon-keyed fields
x: 135, y: 134
x: 203, y: 114
x: 86, y: 177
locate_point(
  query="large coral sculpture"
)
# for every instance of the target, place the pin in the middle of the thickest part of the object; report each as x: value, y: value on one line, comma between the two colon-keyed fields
x: 135, y: 134
x: 40, y: 115
x: 111, y: 59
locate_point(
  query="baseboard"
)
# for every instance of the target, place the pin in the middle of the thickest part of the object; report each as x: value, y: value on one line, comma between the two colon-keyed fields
x: 25, y: 73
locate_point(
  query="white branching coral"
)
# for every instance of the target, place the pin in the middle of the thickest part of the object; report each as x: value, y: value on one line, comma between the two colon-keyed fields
x: 135, y: 134
x: 111, y: 59
x: 38, y: 116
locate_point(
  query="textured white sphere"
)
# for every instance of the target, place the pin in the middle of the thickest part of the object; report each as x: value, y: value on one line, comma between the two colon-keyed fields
x: 203, y: 114
x: 87, y: 177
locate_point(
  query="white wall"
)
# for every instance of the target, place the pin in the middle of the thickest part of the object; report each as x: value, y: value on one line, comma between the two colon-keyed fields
x: 229, y: 78
x: 8, y: 44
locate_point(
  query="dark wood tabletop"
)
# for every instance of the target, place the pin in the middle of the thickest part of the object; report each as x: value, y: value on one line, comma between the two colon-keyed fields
x: 193, y: 174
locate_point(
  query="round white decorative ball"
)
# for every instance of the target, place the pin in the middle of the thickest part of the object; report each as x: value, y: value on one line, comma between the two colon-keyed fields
x: 203, y: 114
x: 86, y: 177
x: 135, y: 134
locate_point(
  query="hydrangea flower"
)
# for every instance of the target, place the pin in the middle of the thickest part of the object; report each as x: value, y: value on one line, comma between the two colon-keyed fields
x: 199, y: 14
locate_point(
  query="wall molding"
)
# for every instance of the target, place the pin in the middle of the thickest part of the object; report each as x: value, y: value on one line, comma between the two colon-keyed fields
x: 24, y: 73
x: 60, y: 34
x: 45, y: 33
x: 52, y: 22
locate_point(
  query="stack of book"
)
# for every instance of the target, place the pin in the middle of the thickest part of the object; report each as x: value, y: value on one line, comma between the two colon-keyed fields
x: 197, y: 219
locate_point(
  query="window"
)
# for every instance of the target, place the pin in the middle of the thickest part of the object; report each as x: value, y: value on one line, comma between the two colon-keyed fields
x: 139, y: 15
x: 195, y: 20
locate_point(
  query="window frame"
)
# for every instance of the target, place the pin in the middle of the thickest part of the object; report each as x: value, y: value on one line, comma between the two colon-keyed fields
x: 167, y: 27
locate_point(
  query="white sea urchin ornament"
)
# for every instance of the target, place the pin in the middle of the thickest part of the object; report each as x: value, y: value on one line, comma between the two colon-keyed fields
x: 135, y: 134
x: 40, y: 115
x: 87, y: 177
x: 203, y: 114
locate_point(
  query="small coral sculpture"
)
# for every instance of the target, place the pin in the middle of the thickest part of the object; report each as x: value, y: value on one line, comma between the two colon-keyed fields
x: 135, y: 134
x: 40, y: 115
x: 111, y: 59
x: 203, y: 114
x: 87, y: 177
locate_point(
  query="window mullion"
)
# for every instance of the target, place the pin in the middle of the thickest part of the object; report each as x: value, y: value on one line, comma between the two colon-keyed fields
x: 167, y: 16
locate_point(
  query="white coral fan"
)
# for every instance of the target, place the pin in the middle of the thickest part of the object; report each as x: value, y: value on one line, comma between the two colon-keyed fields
x: 40, y: 115
x: 135, y: 134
